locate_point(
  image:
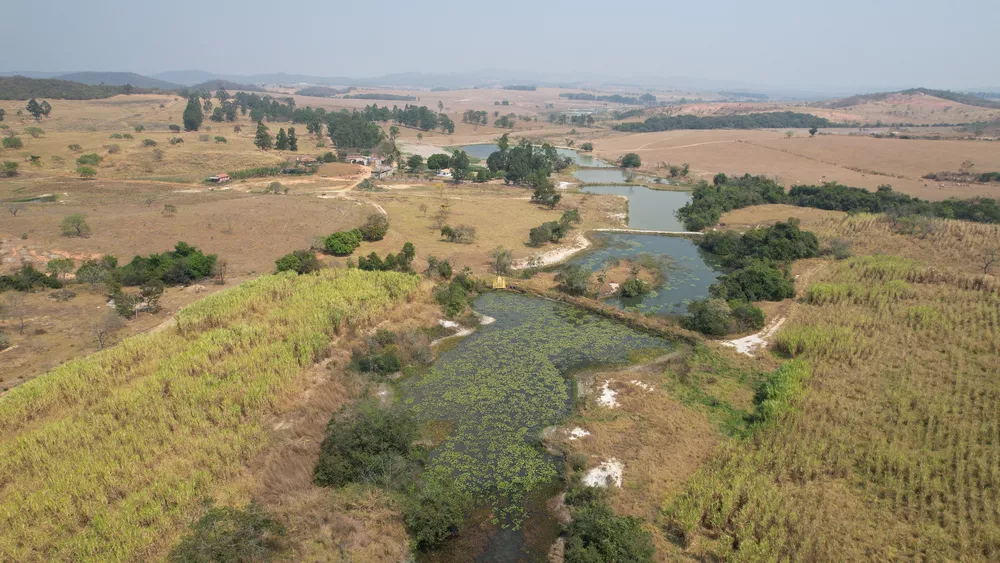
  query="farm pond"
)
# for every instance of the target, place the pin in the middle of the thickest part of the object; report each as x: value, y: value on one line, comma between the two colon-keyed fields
x: 497, y: 389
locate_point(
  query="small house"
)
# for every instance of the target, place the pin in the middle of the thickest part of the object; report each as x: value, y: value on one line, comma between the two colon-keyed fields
x: 380, y: 172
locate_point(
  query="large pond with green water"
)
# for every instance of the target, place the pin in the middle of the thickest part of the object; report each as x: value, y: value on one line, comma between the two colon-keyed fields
x: 484, y: 151
x: 687, y: 270
x: 648, y: 209
x: 498, y: 388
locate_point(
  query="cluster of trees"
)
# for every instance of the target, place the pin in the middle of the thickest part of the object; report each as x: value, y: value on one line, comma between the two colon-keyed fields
x: 583, y: 120
x: 778, y: 119
x: 375, y: 96
x: 525, y: 163
x: 401, y: 262
x: 38, y: 110
x: 378, y: 446
x: 645, y: 99
x: 475, y: 117
x: 351, y: 129
x: 596, y: 533
x: 554, y: 231
x: 461, y: 234
x: 759, y: 260
x: 323, y: 91
x: 710, y: 201
x: 505, y: 121
x: 525, y: 88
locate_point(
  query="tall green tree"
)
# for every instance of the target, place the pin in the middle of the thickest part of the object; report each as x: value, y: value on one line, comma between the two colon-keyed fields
x: 222, y: 95
x: 35, y: 109
x: 281, y: 141
x: 193, y: 116
x: 293, y: 141
x: 263, y: 138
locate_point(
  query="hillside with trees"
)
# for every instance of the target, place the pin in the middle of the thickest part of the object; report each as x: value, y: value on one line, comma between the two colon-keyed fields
x: 118, y: 79
x: 22, y: 88
x: 771, y: 120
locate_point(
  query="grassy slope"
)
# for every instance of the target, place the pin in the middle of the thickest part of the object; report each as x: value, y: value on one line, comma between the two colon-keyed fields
x: 894, y: 449
x: 107, y: 457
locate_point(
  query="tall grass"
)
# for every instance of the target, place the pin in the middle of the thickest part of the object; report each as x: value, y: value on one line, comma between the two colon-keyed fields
x: 106, y: 456
x: 894, y: 450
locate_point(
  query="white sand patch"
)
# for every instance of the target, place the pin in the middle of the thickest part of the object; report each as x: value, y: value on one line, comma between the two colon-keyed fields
x: 448, y: 324
x: 564, y: 185
x: 554, y: 256
x: 484, y: 319
x: 644, y: 386
x: 749, y: 344
x: 613, y: 286
x: 606, y: 473
x: 453, y: 325
x: 607, y: 398
x: 578, y: 433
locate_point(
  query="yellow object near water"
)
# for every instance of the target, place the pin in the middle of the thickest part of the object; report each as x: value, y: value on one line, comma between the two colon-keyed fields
x: 499, y: 283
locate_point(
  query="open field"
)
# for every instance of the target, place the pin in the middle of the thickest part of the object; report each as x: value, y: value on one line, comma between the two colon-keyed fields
x: 852, y: 160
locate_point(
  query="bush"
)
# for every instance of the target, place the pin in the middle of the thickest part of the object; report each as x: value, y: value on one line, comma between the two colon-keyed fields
x: 434, y: 512
x: 708, y: 316
x: 27, y: 278
x: 342, y: 243
x: 839, y: 248
x: 453, y: 297
x: 633, y: 287
x: 759, y: 280
x: 540, y: 235
x: 75, y: 226
x: 438, y: 267
x: 174, y: 128
x: 375, y: 227
x: 274, y: 188
x: 13, y: 143
x: 573, y: 279
x: 148, y: 143
x: 10, y: 168
x: 113, y: 149
x: 631, y: 160
x: 116, y: 135
x: 597, y: 534
x: 220, y: 139
x: 462, y: 234
x: 92, y: 159
x: 328, y: 157
x: 4, y: 340
x: 182, y: 265
x: 746, y: 316
x: 128, y: 136
x: 75, y: 147
x: 587, y: 147
x: 372, y: 445
x: 86, y: 172
x: 300, y: 262
x: 231, y: 535
x: 174, y: 140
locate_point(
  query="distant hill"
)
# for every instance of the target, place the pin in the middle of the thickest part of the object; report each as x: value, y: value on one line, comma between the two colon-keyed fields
x: 23, y: 88
x: 186, y: 77
x: 118, y: 79
x: 227, y: 84
x: 957, y: 97
x: 322, y: 91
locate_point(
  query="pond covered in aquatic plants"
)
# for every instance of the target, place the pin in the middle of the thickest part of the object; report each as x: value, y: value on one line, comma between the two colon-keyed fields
x: 687, y: 270
x: 499, y: 387
x: 649, y: 209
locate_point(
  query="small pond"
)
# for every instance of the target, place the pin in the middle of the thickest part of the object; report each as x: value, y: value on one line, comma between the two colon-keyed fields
x: 609, y: 176
x: 648, y: 209
x: 687, y: 269
x: 498, y: 388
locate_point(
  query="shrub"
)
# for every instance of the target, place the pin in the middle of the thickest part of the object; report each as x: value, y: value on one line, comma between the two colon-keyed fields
x: 631, y: 160
x: 116, y: 135
x: 204, y: 138
x: 92, y: 159
x: 220, y: 139
x: 781, y: 390
x: 746, y: 316
x: 34, y: 132
x: 759, y: 280
x: 438, y: 267
x: 10, y: 168
x: 300, y: 261
x: 27, y: 278
x: 708, y: 316
x: 573, y: 279
x: 434, y: 512
x: 587, y: 147
x: 174, y: 128
x: 540, y: 235
x: 839, y: 248
x: 452, y: 297
x: 13, y: 143
x: 175, y: 140
x: 372, y: 445
x: 570, y: 216
x: 4, y: 340
x: 113, y: 149
x: 375, y: 227
x: 128, y: 136
x: 231, y: 535
x: 75, y: 147
x: 86, y: 172
x: 139, y: 128
x: 342, y: 243
x: 462, y: 234
x: 273, y: 188
x: 596, y: 533
x: 328, y: 157
x: 148, y: 143
x: 634, y: 287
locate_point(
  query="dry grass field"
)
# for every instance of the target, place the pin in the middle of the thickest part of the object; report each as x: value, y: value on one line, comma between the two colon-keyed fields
x: 852, y: 160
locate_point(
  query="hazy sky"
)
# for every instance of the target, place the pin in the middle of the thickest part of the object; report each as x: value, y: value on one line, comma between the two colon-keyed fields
x: 845, y: 44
